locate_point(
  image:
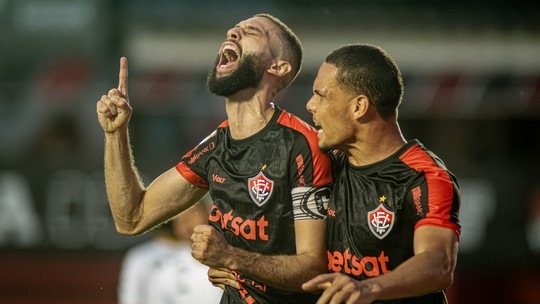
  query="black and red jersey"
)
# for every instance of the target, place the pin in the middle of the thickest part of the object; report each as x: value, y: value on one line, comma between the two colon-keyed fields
x: 260, y: 185
x: 375, y: 209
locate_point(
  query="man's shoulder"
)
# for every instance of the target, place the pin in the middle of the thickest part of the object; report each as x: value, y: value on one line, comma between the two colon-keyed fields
x: 294, y: 122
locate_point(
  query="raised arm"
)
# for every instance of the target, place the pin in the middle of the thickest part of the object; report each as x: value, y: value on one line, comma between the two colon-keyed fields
x: 136, y: 208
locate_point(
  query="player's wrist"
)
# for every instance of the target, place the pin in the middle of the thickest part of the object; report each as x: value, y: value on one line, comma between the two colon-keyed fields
x: 370, y: 290
x: 116, y: 135
x: 232, y: 260
x: 239, y: 260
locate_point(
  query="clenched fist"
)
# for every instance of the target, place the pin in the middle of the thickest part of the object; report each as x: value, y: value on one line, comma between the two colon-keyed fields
x: 210, y: 247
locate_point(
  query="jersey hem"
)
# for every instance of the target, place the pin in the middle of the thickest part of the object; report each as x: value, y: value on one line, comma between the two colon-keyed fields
x: 439, y: 223
x: 191, y: 176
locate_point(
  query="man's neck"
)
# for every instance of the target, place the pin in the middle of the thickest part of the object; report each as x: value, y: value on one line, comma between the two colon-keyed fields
x: 377, y: 144
x: 249, y: 116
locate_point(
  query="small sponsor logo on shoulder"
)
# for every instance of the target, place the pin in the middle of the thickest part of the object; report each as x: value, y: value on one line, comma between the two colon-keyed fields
x: 204, y: 150
x: 381, y: 221
x: 260, y: 188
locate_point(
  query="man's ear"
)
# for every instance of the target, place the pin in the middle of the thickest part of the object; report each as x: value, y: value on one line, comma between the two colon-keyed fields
x: 280, y: 68
x: 361, y: 106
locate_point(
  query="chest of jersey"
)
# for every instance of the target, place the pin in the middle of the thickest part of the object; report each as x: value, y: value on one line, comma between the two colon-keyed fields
x: 371, y: 222
x: 250, y: 185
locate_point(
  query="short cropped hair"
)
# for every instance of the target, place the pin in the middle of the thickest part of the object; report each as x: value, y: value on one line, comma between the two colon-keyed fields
x: 292, y: 45
x: 369, y: 70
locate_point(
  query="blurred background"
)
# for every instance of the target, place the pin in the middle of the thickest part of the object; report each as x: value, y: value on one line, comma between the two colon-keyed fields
x: 472, y: 76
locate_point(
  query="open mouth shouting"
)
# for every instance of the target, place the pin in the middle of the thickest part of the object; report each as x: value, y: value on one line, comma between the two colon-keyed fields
x: 228, y: 56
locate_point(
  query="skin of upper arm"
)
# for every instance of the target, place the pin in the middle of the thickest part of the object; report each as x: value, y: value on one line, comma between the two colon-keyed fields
x: 311, y: 239
x: 440, y: 243
x: 168, y: 195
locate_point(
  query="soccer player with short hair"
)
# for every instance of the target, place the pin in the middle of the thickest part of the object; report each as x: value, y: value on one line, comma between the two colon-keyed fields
x: 393, y: 225
x: 262, y: 167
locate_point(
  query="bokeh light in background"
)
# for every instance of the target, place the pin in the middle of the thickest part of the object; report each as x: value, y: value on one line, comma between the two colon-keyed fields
x: 472, y: 76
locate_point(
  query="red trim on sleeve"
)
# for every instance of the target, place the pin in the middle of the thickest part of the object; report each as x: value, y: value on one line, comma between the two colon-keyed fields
x: 440, y: 189
x: 191, y: 176
x: 224, y: 124
x: 321, y: 161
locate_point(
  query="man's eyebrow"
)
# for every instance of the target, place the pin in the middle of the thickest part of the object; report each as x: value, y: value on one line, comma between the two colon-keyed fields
x: 317, y: 92
x: 250, y: 27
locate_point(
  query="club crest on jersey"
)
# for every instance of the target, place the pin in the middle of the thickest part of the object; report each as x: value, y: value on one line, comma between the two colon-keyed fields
x: 381, y: 221
x: 260, y: 188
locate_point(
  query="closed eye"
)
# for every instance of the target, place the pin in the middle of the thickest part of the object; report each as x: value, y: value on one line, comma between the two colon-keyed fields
x: 250, y: 29
x: 318, y: 94
x: 253, y: 30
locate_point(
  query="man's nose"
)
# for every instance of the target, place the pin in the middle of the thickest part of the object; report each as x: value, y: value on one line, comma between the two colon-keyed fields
x: 233, y: 34
x: 309, y: 106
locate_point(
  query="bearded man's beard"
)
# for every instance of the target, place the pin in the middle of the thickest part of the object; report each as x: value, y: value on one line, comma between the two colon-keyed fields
x: 248, y: 74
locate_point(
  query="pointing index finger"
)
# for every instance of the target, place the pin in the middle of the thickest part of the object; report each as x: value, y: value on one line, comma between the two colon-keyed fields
x: 123, y: 77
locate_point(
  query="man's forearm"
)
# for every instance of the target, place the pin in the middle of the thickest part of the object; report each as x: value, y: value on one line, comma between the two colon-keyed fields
x: 422, y: 274
x: 124, y: 186
x: 286, y: 272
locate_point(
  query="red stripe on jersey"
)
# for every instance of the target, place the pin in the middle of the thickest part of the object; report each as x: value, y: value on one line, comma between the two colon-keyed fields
x: 439, y: 185
x: 224, y: 124
x: 321, y: 161
x: 191, y: 176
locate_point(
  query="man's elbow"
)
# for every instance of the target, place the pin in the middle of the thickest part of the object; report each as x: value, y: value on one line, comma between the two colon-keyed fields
x: 446, y: 279
x: 127, y: 229
x: 446, y: 274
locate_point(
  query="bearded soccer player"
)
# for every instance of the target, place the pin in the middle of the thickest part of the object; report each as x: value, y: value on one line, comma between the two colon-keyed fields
x: 262, y: 166
x: 393, y: 224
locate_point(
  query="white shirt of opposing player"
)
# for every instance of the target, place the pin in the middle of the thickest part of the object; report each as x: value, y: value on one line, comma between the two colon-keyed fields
x: 165, y: 273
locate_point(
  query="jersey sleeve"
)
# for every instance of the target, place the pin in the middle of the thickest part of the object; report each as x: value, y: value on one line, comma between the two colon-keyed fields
x: 311, y: 177
x: 193, y: 164
x: 436, y: 196
x: 436, y: 202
